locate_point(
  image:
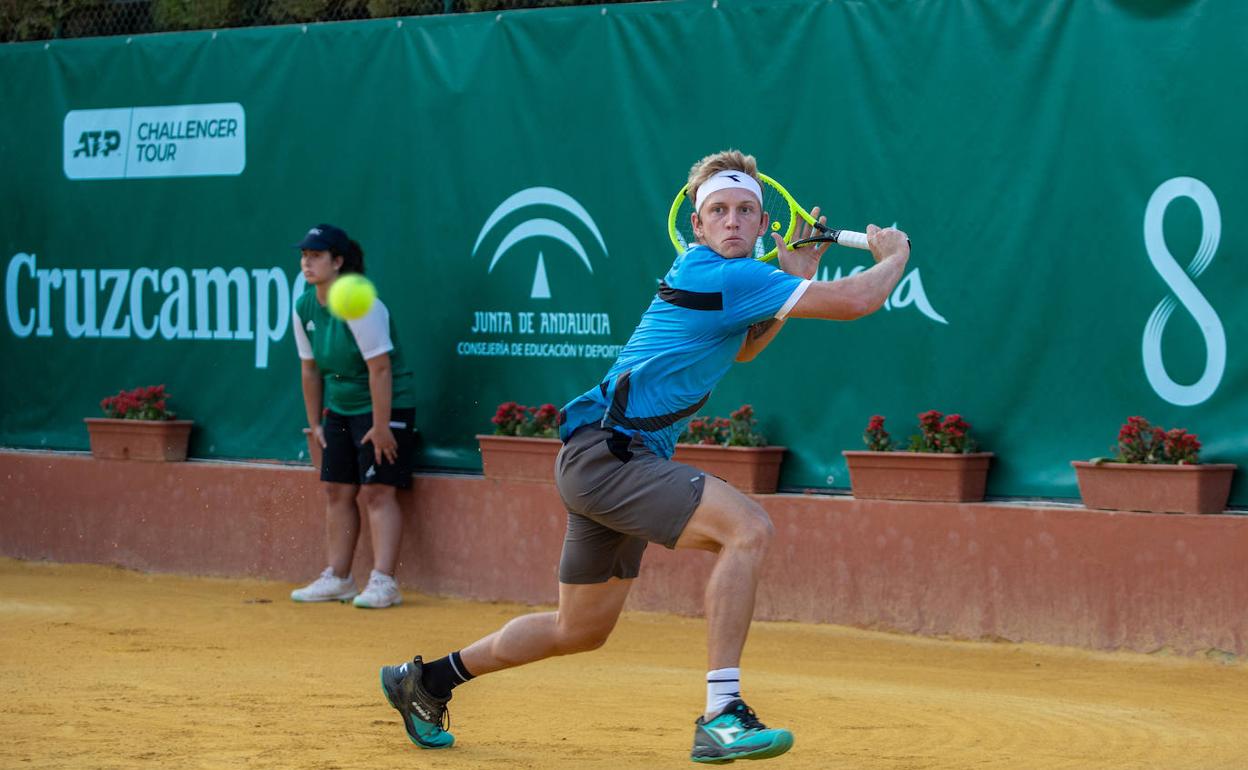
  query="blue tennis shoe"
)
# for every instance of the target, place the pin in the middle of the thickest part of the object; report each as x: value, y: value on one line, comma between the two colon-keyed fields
x: 425, y: 717
x: 735, y: 733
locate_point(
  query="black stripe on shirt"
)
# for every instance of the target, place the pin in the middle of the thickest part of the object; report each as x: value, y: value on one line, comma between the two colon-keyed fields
x: 619, y: 405
x: 691, y: 300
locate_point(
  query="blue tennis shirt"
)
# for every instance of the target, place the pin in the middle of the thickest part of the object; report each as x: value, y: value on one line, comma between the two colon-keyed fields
x: 684, y: 345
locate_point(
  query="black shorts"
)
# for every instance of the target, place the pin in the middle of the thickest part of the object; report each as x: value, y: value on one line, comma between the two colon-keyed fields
x: 347, y: 461
x: 620, y: 496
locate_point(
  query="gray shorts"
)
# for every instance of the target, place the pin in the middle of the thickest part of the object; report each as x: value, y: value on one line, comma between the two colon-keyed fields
x: 619, y: 495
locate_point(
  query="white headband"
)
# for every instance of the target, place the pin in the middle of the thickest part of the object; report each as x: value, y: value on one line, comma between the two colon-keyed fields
x: 722, y: 181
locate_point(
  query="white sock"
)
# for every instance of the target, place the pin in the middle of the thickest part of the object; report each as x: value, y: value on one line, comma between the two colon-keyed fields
x: 723, y: 686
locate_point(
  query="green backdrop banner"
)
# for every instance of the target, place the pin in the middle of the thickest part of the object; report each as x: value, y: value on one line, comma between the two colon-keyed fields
x: 1072, y: 175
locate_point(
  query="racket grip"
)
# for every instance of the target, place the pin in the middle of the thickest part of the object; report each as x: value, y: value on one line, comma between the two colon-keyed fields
x: 852, y: 239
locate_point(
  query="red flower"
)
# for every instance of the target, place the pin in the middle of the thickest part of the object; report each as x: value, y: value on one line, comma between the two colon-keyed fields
x: 937, y: 433
x: 1181, y: 447
x: 144, y: 403
x: 875, y: 437
x: 1139, y: 441
x: 514, y: 419
x: 736, y: 430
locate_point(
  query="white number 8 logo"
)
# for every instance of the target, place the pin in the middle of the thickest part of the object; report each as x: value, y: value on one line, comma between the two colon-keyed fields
x: 1184, y: 290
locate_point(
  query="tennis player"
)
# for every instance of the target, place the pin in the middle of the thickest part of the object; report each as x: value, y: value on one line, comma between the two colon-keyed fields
x: 623, y: 491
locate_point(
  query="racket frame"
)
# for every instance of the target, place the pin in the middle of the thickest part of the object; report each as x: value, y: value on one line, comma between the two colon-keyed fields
x: 827, y: 234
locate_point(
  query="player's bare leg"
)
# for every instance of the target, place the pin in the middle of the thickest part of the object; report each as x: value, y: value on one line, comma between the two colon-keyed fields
x: 585, y: 618
x: 419, y: 691
x: 738, y: 529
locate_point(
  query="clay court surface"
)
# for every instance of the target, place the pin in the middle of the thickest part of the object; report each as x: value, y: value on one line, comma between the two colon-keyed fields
x: 102, y: 667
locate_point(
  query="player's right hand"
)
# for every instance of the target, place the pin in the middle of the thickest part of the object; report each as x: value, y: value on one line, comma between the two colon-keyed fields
x: 803, y: 262
x: 886, y: 242
x: 319, y: 433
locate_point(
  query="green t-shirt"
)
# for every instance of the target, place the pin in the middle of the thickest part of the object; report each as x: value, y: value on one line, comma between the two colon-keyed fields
x: 340, y: 349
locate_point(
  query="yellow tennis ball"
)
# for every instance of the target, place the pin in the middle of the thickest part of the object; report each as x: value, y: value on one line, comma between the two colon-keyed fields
x: 351, y: 296
x: 776, y: 225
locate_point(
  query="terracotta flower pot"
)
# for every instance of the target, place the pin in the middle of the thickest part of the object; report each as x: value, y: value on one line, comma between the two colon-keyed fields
x: 518, y: 458
x: 928, y: 476
x: 751, y: 469
x: 152, y: 440
x: 1154, y: 488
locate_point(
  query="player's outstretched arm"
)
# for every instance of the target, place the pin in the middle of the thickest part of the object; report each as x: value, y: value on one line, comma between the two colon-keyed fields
x: 864, y: 293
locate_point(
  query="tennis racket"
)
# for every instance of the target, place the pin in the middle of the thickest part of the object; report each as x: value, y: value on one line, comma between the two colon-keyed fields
x: 785, y: 214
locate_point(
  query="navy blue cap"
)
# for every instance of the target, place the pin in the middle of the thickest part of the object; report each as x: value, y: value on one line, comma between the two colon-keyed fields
x: 325, y: 238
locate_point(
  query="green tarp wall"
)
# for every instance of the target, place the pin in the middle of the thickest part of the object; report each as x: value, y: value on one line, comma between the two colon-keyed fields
x: 1073, y: 176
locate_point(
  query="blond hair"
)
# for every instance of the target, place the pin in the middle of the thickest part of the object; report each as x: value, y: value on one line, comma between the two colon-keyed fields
x: 727, y: 160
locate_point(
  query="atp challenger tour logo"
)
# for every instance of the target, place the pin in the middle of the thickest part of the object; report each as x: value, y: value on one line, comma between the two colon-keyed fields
x: 201, y: 304
x: 533, y: 226
x: 1184, y: 290
x: 148, y: 142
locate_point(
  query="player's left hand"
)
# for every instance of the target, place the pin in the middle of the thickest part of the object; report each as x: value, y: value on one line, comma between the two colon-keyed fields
x: 385, y: 448
x: 803, y: 262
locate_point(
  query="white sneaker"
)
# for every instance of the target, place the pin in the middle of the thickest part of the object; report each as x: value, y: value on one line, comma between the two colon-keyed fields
x: 381, y: 591
x: 326, y: 588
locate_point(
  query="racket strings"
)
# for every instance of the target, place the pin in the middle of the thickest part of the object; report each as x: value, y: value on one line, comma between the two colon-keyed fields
x: 781, y: 216
x: 774, y: 203
x: 683, y: 225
